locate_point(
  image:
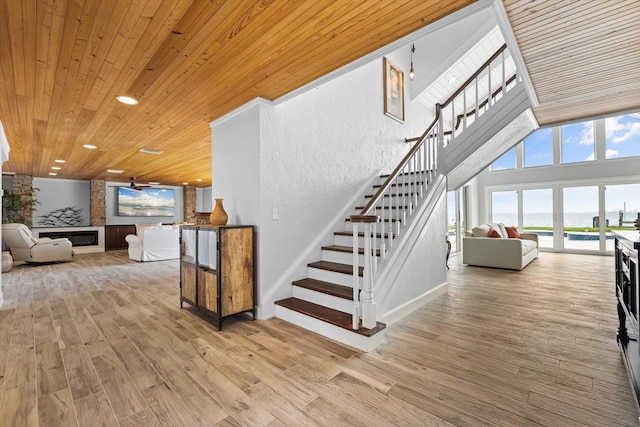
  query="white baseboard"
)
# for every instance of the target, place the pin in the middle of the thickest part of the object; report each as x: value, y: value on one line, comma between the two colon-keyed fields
x: 409, y: 307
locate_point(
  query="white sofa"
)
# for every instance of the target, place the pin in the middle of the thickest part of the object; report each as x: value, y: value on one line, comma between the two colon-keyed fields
x: 154, y: 242
x: 498, y: 252
x: 25, y: 247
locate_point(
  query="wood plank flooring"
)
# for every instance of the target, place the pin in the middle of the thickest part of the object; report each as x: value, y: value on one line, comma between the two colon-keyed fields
x: 102, y: 341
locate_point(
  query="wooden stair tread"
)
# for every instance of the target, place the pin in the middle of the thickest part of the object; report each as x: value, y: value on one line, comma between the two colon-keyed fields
x: 401, y: 184
x: 335, y: 267
x: 385, y: 176
x: 384, y: 220
x: 359, y: 208
x: 346, y: 249
x: 329, y: 315
x: 360, y: 234
x: 328, y: 288
x: 368, y: 196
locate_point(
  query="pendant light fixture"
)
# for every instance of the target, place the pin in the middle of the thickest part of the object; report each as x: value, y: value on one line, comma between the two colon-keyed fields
x: 412, y: 74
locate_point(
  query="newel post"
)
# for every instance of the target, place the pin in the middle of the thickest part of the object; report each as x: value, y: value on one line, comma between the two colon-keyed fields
x: 367, y: 303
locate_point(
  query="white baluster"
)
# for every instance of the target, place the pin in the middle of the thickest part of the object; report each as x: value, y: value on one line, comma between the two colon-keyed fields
x: 475, y: 119
x: 368, y: 304
x: 356, y: 304
x: 464, y: 109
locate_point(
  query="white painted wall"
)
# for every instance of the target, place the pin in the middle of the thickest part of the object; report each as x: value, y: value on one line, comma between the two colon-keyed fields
x: 306, y: 158
x: 236, y: 166
x: 203, y: 200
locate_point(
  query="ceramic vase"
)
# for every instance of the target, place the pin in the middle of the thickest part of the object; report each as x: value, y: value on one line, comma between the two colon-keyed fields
x: 218, y: 215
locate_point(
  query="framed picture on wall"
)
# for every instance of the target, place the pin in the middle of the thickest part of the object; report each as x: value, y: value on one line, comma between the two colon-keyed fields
x: 393, y: 91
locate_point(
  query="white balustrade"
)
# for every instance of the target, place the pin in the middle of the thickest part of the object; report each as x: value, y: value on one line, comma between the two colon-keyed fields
x: 397, y: 200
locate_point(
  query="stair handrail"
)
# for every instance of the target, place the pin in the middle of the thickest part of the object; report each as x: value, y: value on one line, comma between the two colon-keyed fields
x: 417, y: 169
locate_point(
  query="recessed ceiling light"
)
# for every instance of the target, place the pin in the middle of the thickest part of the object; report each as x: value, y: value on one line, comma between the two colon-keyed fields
x: 151, y: 151
x: 199, y: 179
x: 56, y: 168
x: 114, y: 171
x: 185, y: 183
x: 453, y: 79
x: 127, y: 100
x: 60, y: 161
x: 53, y: 173
x: 89, y: 146
x: 154, y: 183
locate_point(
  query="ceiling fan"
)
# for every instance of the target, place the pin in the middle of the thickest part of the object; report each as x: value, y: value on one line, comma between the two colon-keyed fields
x: 133, y: 185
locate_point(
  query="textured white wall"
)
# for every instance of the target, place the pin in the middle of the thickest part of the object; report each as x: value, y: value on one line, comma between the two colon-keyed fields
x: 306, y: 158
x: 316, y: 150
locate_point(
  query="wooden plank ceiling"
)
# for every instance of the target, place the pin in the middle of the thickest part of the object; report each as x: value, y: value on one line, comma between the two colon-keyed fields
x: 583, y: 56
x: 63, y: 62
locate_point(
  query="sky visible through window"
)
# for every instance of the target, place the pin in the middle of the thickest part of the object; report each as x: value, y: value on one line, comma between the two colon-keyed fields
x: 507, y: 161
x: 623, y: 136
x: 538, y: 148
x: 577, y: 142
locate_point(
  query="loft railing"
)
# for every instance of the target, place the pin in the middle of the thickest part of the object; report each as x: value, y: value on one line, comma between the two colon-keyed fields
x: 386, y: 216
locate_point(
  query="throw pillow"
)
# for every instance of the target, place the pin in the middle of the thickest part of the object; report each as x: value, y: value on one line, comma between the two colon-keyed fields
x: 495, y: 233
x: 481, y: 231
x: 503, y: 230
x: 513, y: 232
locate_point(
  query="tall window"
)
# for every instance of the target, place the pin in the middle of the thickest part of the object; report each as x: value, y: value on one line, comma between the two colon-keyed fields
x: 581, y: 223
x: 622, y: 205
x: 577, y: 142
x: 538, y: 149
x: 507, y: 161
x: 504, y: 207
x: 537, y: 214
x: 623, y: 136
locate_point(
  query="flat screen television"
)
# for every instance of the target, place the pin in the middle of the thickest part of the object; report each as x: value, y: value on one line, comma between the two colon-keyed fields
x: 146, y: 202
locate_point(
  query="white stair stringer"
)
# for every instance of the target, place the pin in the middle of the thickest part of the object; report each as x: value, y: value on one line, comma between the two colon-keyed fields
x: 386, y: 279
x: 330, y: 331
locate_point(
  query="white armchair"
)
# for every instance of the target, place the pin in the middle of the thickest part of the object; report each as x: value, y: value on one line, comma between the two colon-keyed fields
x: 25, y: 247
x: 154, y: 244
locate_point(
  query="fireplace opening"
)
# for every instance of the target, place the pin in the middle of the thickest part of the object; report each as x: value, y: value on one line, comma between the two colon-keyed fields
x: 78, y: 238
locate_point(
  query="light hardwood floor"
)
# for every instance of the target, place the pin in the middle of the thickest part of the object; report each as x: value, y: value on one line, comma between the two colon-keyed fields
x: 102, y: 341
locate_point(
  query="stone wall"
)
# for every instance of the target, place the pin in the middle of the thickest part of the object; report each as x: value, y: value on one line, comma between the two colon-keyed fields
x: 98, y: 203
x: 23, y: 184
x: 189, y: 195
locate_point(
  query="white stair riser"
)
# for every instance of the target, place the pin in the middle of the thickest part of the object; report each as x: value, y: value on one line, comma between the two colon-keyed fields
x: 340, y: 257
x: 331, y: 277
x: 325, y: 300
x: 333, y: 332
x: 395, y: 202
x: 348, y: 241
x: 393, y: 214
x: 380, y: 227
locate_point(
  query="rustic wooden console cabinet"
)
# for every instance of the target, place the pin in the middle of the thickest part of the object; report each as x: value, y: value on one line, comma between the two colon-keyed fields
x: 217, y: 272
